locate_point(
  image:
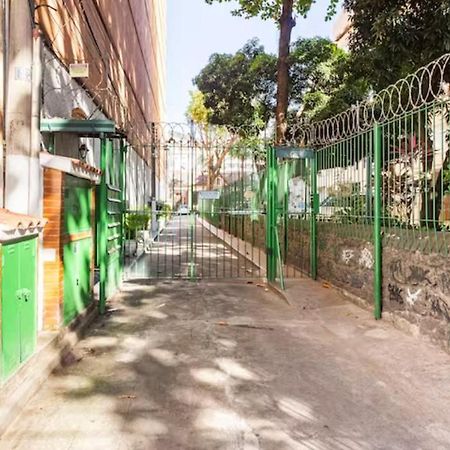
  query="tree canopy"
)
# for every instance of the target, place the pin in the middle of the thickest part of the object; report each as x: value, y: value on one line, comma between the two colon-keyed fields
x: 392, y: 38
x: 283, y: 12
x: 389, y: 39
x: 271, y: 9
x: 240, y: 89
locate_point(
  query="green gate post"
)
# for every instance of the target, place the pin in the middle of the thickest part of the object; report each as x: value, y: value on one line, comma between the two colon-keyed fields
x: 313, y: 218
x: 286, y: 211
x: 192, y: 272
x: 271, y: 215
x: 123, y: 152
x: 102, y: 226
x: 377, y: 237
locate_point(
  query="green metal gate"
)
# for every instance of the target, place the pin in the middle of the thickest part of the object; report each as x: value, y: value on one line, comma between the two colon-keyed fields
x: 208, y: 218
x: 293, y: 205
x: 110, y: 208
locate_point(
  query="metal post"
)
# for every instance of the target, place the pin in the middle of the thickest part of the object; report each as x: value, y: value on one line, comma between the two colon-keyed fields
x: 102, y: 226
x: 313, y: 219
x: 286, y: 211
x: 192, y: 268
x: 123, y: 151
x: 51, y: 144
x: 153, y: 160
x: 271, y: 215
x: 377, y: 237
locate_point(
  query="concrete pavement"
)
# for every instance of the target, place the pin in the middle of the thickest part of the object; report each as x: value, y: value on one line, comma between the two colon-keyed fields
x: 179, y: 365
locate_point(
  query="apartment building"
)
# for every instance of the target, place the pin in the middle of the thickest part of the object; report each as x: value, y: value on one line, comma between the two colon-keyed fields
x: 81, y: 82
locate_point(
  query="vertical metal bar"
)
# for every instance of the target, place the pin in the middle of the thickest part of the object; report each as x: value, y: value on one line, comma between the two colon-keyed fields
x: 271, y: 215
x: 192, y: 267
x: 313, y: 218
x: 123, y: 151
x: 377, y: 238
x: 51, y: 144
x: 286, y: 211
x: 280, y: 260
x: 102, y: 227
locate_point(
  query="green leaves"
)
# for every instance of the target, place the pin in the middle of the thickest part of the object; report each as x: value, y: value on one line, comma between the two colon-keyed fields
x: 271, y: 9
x: 197, y: 111
x: 392, y: 38
x: 239, y: 88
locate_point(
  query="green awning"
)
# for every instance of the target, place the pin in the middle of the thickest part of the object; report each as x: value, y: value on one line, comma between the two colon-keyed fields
x: 78, y: 126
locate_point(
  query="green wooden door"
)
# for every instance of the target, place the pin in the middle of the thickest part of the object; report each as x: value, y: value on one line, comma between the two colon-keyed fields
x: 77, y: 279
x: 27, y: 314
x: 72, y: 302
x: 10, y: 310
x: 19, y: 315
x: 78, y: 251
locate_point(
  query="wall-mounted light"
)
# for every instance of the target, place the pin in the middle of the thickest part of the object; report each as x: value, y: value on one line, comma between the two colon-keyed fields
x: 82, y: 152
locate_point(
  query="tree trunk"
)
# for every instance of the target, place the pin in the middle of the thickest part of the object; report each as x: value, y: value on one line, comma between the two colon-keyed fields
x: 286, y: 24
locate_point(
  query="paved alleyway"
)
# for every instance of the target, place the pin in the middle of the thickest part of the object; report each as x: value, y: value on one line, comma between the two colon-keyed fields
x: 178, y: 365
x: 172, y: 253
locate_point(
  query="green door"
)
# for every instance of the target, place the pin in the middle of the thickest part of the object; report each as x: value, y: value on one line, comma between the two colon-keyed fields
x: 27, y: 313
x: 77, y: 279
x: 78, y: 251
x: 84, y: 269
x: 71, y: 293
x: 19, y: 316
x: 10, y: 309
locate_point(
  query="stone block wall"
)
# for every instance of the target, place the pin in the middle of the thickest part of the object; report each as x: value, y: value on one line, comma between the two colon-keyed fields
x: 416, y: 289
x: 344, y: 260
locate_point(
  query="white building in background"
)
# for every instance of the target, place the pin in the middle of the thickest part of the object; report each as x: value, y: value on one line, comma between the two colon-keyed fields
x: 342, y: 28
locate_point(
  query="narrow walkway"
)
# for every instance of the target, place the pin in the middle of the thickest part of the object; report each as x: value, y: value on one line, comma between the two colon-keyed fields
x: 178, y: 248
x: 179, y: 365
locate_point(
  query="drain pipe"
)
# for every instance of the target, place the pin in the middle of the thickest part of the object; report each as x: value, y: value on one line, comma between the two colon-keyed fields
x: 4, y: 36
x: 35, y: 197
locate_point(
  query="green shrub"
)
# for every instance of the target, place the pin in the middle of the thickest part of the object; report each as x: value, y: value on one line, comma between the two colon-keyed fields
x: 135, y: 221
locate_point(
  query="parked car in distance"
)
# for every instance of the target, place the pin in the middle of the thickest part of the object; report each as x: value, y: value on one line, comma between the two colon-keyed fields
x: 183, y: 210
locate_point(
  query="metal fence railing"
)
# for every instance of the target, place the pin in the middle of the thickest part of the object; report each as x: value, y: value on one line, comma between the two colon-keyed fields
x: 380, y: 179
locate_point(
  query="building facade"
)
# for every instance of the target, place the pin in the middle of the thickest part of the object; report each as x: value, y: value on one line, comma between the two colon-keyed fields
x: 342, y: 29
x: 81, y: 82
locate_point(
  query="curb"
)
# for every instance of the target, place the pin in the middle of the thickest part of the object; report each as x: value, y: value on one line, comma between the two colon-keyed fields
x: 21, y: 387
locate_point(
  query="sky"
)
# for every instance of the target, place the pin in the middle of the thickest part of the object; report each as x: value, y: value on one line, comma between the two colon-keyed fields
x: 195, y: 30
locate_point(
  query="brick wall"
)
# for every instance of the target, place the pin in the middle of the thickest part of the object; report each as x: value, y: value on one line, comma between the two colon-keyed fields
x: 53, y: 248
